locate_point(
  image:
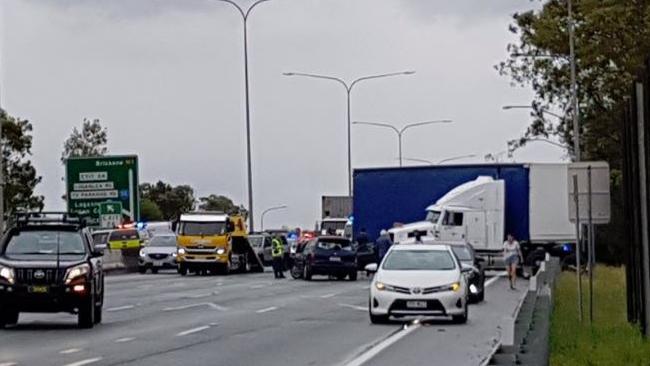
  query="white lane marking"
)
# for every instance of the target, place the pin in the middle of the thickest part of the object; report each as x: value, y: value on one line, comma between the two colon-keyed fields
x: 255, y: 287
x: 209, y: 304
x: 124, y: 340
x: 495, y: 278
x: 355, y: 307
x: 8, y: 364
x: 266, y: 310
x: 192, y: 331
x: 327, y: 296
x: 197, y: 296
x: 85, y: 362
x: 379, y: 347
x: 120, y: 308
x: 70, y: 350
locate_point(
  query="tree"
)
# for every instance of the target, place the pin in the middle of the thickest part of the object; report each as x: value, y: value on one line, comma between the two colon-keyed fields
x: 172, y: 201
x: 216, y: 203
x: 91, y: 141
x: 612, y: 41
x: 20, y: 175
x: 149, y: 210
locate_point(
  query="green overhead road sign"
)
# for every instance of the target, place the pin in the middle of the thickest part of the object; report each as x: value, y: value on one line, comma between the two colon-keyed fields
x: 100, y: 187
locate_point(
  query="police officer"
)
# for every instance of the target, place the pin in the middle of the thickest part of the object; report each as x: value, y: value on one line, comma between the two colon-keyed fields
x: 277, y: 252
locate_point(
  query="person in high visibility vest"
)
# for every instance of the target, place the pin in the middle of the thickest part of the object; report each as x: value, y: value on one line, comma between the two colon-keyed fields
x: 277, y: 252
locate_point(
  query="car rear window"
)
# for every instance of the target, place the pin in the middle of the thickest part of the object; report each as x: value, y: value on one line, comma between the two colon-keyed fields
x: 334, y: 244
x: 419, y: 260
x: 124, y: 235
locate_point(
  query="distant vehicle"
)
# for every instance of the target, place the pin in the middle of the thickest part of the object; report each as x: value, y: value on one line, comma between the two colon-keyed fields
x: 100, y: 238
x: 336, y: 206
x: 328, y: 256
x: 336, y: 226
x: 154, y: 228
x: 418, y: 280
x: 477, y: 203
x: 160, y: 253
x: 47, y: 265
x: 262, y: 243
x: 124, y: 239
x: 476, y: 278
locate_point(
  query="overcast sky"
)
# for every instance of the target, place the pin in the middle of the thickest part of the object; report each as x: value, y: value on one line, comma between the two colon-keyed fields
x: 166, y: 78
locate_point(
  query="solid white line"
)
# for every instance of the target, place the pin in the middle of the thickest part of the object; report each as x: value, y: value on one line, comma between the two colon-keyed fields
x: 374, y: 351
x: 85, y: 362
x: 495, y: 278
x: 124, y: 340
x: 70, y: 350
x: 355, y: 307
x: 119, y: 308
x: 191, y: 331
x: 266, y: 310
x: 327, y: 296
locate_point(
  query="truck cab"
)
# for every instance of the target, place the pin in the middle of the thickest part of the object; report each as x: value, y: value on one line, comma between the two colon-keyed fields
x: 214, y: 242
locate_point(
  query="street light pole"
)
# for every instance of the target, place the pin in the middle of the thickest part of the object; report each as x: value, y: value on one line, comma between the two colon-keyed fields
x: 348, y: 89
x: 574, y: 84
x: 400, y: 132
x: 268, y: 210
x: 244, y: 15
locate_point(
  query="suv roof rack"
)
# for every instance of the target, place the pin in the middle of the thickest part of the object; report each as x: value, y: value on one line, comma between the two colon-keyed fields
x: 49, y: 217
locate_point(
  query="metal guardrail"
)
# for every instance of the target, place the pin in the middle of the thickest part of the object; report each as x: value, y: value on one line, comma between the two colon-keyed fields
x: 530, y: 344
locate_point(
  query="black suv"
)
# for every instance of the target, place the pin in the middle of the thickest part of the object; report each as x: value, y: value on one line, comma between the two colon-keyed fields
x: 48, y: 264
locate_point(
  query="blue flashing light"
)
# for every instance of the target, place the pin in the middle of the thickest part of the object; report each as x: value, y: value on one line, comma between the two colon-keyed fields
x: 566, y: 248
x: 141, y: 225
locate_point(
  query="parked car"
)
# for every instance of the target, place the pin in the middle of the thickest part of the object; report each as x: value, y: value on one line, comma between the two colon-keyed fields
x: 476, y: 278
x: 48, y: 264
x: 261, y: 243
x: 160, y: 253
x: 100, y: 238
x: 418, y: 280
x: 328, y: 256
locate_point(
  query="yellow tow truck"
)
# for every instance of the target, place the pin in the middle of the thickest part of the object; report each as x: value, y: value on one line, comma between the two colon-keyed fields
x: 214, y: 242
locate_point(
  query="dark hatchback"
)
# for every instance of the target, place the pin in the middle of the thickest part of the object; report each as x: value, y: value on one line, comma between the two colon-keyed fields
x: 49, y: 265
x: 476, y: 277
x: 328, y: 256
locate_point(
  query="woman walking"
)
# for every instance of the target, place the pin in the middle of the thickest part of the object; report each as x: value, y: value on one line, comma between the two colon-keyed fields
x: 511, y: 256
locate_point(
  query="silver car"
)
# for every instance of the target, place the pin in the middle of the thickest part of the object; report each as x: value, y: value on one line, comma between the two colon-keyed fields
x: 159, y: 253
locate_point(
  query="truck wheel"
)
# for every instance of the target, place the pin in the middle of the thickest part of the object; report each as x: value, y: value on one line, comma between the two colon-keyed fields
x: 86, y: 317
x: 142, y: 269
x: 353, y: 276
x: 182, y: 270
x: 8, y: 317
x: 154, y: 270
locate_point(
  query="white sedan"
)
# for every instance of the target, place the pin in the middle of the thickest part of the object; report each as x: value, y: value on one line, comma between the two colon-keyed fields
x: 418, y: 280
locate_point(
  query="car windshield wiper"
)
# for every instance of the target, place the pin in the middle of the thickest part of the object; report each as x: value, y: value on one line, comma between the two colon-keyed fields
x: 35, y: 252
x: 70, y: 253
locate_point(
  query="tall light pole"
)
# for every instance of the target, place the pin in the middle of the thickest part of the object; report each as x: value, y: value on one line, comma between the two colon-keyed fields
x: 348, y: 88
x: 400, y: 132
x: 245, y: 14
x: 269, y: 210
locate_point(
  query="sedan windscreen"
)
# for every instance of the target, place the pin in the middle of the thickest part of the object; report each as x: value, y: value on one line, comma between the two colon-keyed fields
x: 45, y: 242
x: 163, y: 241
x: 419, y: 260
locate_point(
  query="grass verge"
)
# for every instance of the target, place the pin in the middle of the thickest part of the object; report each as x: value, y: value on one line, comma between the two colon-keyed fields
x: 611, y: 340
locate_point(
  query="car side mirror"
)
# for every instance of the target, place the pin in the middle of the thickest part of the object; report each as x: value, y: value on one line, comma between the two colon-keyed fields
x: 371, y: 268
x: 464, y: 268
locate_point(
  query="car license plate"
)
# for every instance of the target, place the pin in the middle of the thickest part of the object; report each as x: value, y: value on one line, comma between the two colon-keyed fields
x: 335, y: 259
x: 158, y: 263
x: 38, y: 289
x: 416, y: 304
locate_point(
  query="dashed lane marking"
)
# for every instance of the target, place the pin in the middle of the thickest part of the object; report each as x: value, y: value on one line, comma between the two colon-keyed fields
x: 124, y: 340
x: 70, y: 350
x: 120, y: 308
x: 327, y: 296
x: 85, y: 362
x: 192, y: 331
x: 355, y: 307
x: 266, y: 310
x: 209, y: 304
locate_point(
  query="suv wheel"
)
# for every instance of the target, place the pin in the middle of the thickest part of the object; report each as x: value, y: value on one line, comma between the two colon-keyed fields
x: 353, y: 276
x: 86, y: 317
x: 307, y: 273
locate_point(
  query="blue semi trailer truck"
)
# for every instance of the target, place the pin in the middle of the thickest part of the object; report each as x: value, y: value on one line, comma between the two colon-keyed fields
x: 478, y: 204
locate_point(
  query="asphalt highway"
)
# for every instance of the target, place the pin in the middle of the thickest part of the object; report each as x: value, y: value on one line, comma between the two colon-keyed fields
x: 251, y: 319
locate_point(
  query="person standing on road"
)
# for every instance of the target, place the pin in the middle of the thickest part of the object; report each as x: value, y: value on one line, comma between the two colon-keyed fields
x: 277, y: 252
x: 383, y: 244
x: 511, y: 256
x: 362, y: 241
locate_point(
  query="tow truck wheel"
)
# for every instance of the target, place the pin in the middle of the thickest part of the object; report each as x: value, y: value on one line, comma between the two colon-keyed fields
x: 182, y: 270
x: 8, y: 317
x: 86, y: 317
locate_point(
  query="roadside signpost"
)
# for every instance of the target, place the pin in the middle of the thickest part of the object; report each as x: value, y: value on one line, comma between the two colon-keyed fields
x: 103, y: 189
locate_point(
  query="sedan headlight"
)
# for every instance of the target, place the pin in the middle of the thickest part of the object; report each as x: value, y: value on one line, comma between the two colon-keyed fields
x: 181, y: 251
x: 221, y: 251
x: 8, y: 274
x: 380, y: 286
x: 75, y: 272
